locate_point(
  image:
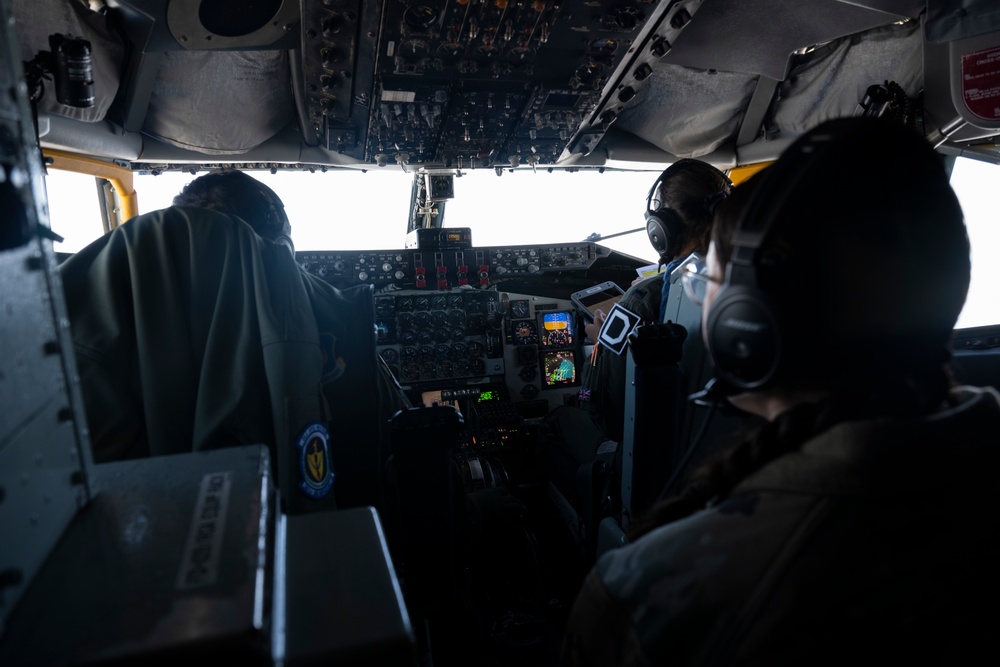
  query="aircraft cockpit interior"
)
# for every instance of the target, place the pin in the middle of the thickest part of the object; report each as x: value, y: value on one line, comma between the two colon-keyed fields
x: 399, y: 478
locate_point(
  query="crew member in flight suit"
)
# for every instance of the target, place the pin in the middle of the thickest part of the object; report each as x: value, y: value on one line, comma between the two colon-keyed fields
x: 858, y: 520
x: 194, y: 328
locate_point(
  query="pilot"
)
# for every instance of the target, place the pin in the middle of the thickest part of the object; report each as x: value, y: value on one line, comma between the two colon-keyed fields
x: 678, y: 220
x: 194, y: 328
x: 237, y: 193
x: 857, y: 519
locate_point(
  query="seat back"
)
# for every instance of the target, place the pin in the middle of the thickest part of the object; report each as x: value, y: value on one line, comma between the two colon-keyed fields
x: 652, y: 412
x: 701, y: 424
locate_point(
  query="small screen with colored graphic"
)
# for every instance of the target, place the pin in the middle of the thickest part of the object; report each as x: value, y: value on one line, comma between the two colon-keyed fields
x: 556, y: 329
x: 559, y: 368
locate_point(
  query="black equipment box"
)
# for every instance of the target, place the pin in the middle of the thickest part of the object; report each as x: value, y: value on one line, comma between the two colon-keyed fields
x: 186, y: 557
x: 167, y: 563
x: 440, y: 238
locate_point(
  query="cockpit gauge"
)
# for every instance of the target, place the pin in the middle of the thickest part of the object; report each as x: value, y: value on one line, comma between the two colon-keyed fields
x: 423, y: 303
x: 525, y: 333
x: 390, y: 356
x: 405, y: 303
x: 420, y: 17
x: 459, y: 351
x: 557, y: 338
x: 603, y: 47
x: 476, y: 350
x: 455, y: 301
x: 487, y: 51
x: 413, y: 49
x: 520, y: 55
x: 519, y: 309
x: 426, y: 353
x: 438, y: 302
x: 409, y: 354
x: 451, y: 50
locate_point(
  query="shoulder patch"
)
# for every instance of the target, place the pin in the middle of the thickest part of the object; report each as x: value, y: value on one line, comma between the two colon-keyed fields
x: 316, y: 472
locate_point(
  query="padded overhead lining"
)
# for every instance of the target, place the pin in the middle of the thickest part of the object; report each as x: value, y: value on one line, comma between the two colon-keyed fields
x: 831, y: 81
x: 827, y: 82
x: 762, y: 34
x: 220, y: 102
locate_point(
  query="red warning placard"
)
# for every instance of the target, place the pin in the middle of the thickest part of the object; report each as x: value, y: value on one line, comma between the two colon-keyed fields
x: 981, y: 83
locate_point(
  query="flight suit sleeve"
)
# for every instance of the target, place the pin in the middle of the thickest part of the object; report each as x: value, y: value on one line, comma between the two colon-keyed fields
x: 599, y: 631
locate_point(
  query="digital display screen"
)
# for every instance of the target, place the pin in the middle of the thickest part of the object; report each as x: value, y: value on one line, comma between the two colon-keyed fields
x: 559, y: 368
x: 557, y: 329
x: 604, y: 300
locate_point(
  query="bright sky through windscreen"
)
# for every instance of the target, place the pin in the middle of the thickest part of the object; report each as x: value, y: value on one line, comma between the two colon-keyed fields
x: 353, y: 210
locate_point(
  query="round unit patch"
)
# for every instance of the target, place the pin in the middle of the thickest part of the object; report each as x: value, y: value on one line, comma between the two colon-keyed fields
x: 314, y: 461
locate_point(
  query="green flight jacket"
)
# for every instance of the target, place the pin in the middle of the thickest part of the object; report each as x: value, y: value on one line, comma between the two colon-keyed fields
x: 192, y: 333
x: 875, y: 543
x: 606, y: 376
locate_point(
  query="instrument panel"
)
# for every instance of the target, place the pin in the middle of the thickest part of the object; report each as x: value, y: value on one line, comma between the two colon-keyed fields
x: 430, y: 336
x: 460, y: 84
x: 449, y: 333
x: 442, y: 329
x: 446, y: 269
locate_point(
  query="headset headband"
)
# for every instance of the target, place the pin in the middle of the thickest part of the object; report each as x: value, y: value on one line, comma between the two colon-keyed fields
x: 758, y: 220
x: 664, y: 175
x: 747, y: 332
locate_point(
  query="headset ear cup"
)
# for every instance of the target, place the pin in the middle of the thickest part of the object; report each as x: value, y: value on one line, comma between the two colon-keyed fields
x: 663, y: 228
x: 285, y: 242
x: 743, y: 335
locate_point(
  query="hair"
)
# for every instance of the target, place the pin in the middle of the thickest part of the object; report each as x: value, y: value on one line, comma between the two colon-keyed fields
x: 692, y: 189
x: 236, y: 193
x: 871, y: 254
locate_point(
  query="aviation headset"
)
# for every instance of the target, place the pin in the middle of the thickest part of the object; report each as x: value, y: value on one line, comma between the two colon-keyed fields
x: 277, y: 219
x: 664, y: 226
x: 239, y: 194
x: 746, y: 330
